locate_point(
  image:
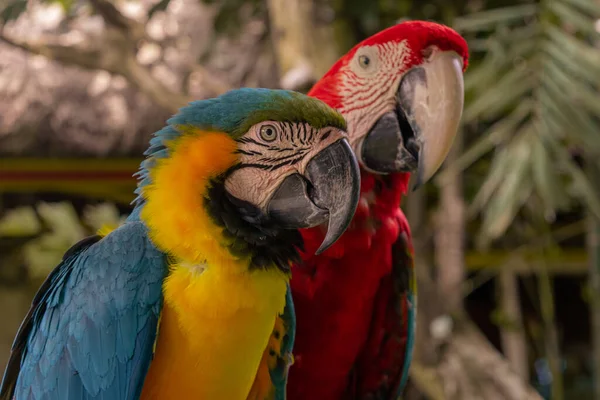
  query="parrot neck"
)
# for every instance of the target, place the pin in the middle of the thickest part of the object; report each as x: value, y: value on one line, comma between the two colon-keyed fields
x: 191, y: 217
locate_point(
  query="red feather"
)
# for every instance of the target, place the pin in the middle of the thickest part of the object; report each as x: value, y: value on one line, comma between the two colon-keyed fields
x: 351, y: 310
x: 418, y: 34
x: 334, y: 295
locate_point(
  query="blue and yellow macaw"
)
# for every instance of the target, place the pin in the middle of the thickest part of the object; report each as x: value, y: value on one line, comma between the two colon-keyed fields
x: 189, y: 299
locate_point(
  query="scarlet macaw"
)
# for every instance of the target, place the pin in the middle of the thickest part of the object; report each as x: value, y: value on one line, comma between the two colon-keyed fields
x: 401, y: 93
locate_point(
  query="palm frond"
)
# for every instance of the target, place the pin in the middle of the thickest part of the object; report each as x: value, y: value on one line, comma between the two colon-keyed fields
x: 488, y: 20
x: 536, y: 93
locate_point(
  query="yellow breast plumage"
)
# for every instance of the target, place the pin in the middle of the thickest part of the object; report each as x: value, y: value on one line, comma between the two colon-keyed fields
x: 217, y: 315
x: 213, y: 333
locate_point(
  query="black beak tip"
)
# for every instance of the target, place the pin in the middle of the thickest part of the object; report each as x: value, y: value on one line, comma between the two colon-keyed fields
x: 328, y: 242
x: 417, y: 185
x: 420, y: 175
x: 339, y: 173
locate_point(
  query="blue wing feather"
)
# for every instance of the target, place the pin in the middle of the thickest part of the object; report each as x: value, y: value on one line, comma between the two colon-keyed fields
x: 280, y: 374
x: 91, y: 329
x: 410, y: 342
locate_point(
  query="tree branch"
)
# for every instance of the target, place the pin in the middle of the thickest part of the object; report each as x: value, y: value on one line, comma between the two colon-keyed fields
x: 88, y: 58
x: 130, y: 28
x: 114, y: 52
x: 142, y: 79
x: 213, y: 83
x: 116, y: 57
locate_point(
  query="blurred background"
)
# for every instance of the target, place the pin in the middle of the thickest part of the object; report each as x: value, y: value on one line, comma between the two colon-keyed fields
x: 507, y: 235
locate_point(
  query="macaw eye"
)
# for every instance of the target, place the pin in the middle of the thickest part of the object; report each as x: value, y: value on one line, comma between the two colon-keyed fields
x: 364, y: 62
x: 268, y: 133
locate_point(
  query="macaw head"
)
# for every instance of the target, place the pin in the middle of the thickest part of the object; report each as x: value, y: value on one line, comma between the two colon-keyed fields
x: 254, y: 161
x: 401, y: 92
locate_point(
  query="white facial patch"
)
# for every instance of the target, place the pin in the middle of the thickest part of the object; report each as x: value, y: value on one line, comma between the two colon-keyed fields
x: 264, y: 164
x: 369, y: 83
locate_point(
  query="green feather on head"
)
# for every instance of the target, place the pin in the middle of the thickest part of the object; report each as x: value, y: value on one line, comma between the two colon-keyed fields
x: 236, y: 111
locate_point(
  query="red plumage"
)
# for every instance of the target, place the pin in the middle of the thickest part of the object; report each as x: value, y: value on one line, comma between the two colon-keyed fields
x: 352, y: 301
x: 334, y: 294
x: 418, y: 34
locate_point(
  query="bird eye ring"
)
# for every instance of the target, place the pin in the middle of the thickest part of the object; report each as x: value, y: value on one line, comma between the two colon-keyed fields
x: 268, y: 133
x: 364, y: 61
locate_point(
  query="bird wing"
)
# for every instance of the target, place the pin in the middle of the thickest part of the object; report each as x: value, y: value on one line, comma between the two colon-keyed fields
x: 283, y: 351
x: 382, y: 370
x: 271, y: 378
x: 92, y: 326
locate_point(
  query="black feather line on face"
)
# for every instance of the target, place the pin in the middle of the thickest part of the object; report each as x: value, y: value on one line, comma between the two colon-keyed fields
x: 303, y: 137
x: 268, y: 167
x: 289, y: 132
x: 251, y: 232
x: 300, y: 152
x: 312, y: 134
x: 288, y: 162
x: 248, y: 152
x: 250, y: 165
x: 246, y: 139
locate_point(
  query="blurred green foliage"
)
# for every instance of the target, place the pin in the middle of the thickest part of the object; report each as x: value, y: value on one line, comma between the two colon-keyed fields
x: 229, y: 19
x: 10, y: 10
x: 532, y: 100
x: 48, y: 231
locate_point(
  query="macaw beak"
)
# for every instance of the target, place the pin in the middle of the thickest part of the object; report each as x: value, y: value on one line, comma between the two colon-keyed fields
x: 418, y: 134
x: 328, y: 190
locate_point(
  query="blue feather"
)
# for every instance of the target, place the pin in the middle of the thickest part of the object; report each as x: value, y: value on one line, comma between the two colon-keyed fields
x: 91, y: 330
x: 280, y: 374
x: 410, y: 341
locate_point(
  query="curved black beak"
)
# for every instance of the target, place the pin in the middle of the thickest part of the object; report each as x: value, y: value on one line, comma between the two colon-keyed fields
x: 417, y: 135
x: 328, y: 190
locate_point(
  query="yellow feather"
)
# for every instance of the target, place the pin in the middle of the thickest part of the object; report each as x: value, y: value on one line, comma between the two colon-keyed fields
x: 218, y: 315
x: 174, y: 208
x: 105, y: 229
